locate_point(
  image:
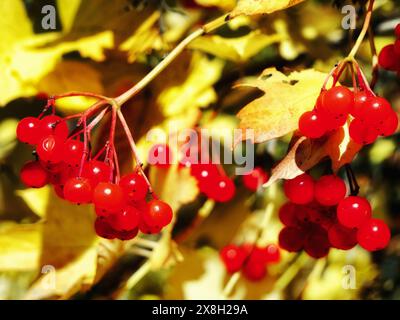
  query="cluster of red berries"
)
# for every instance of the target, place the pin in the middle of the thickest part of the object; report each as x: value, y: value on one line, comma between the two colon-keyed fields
x: 64, y: 162
x: 250, y: 259
x: 320, y: 216
x: 389, y: 57
x: 372, y: 116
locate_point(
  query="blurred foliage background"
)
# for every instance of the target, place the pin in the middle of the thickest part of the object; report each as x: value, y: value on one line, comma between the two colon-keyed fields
x: 48, y: 248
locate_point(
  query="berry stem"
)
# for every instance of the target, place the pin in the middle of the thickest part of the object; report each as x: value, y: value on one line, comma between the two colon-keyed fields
x: 375, y: 64
x: 354, y: 187
x: 80, y: 94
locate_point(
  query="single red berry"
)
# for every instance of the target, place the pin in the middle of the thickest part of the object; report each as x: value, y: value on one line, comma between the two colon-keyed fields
x: 78, y: 190
x: 73, y: 152
x: 159, y: 214
x: 146, y: 229
x: 299, y: 190
x: 50, y: 149
x: 341, y: 237
x: 126, y: 219
x: 353, y: 211
x: 103, y: 228
x: 220, y: 189
x: 375, y: 110
x: 337, y: 102
x: 329, y: 190
x: 389, y: 125
x: 109, y: 196
x: 360, y: 97
x: 33, y: 175
x: 312, y: 124
x: 288, y: 214
x: 28, y: 130
x: 127, y: 235
x: 273, y: 254
x: 254, y: 270
x: 361, y: 133
x: 317, y: 243
x: 204, y: 171
x: 233, y: 257
x: 54, y: 125
x: 373, y: 235
x: 291, y: 239
x: 96, y: 171
x: 160, y: 155
x: 134, y: 186
x: 387, y: 58
x: 255, y: 179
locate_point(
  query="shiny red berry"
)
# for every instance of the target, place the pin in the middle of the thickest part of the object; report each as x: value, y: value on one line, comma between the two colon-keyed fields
x: 341, y: 237
x: 109, y: 196
x: 312, y: 124
x: 158, y: 214
x: 28, y: 130
x: 373, y: 235
x: 255, y: 179
x: 233, y: 257
x: 329, y: 190
x: 33, y: 175
x: 160, y: 155
x: 96, y: 171
x: 78, y: 190
x: 272, y: 253
x: 299, y: 190
x: 353, y: 211
x: 54, y: 125
x: 254, y: 270
x: 389, y: 125
x: 50, y: 149
x: 337, y: 102
x: 375, y: 110
x: 126, y: 219
x: 220, y: 189
x: 73, y: 152
x: 387, y: 58
x: 362, y: 133
x: 134, y: 186
x: 360, y: 97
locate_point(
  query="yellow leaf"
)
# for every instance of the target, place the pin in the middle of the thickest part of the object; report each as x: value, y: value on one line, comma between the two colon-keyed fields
x: 285, y: 99
x: 36, y: 199
x: 251, y: 7
x: 238, y: 49
x: 223, y: 4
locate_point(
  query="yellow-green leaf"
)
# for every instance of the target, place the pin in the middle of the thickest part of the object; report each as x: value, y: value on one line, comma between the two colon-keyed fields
x: 251, y: 7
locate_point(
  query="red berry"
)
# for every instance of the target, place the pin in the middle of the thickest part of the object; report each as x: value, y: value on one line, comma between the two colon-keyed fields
x: 78, y: 190
x: 387, y: 58
x: 299, y: 190
x: 254, y: 270
x: 144, y: 228
x: 273, y: 254
x: 291, y: 239
x: 33, y: 175
x: 160, y: 155
x: 373, y: 235
x: 325, y: 217
x: 375, y: 110
x: 360, y: 97
x: 28, y: 130
x: 388, y: 126
x: 54, y: 125
x: 73, y: 152
x: 220, y: 189
x: 341, y: 237
x: 337, y: 102
x: 317, y: 243
x: 397, y: 31
x: 50, y: 149
x: 288, y: 214
x: 126, y: 219
x: 255, y: 179
x: 353, y: 211
x: 109, y: 196
x: 312, y: 124
x: 204, y: 171
x: 103, y: 228
x: 127, y: 235
x: 361, y: 133
x: 329, y: 190
x: 233, y: 257
x: 159, y: 214
x: 134, y: 186
x: 96, y: 172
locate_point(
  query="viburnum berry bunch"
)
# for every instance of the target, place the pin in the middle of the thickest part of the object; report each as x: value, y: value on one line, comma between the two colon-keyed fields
x: 319, y: 216
x: 252, y: 260
x: 123, y: 204
x: 389, y: 57
x: 370, y: 116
